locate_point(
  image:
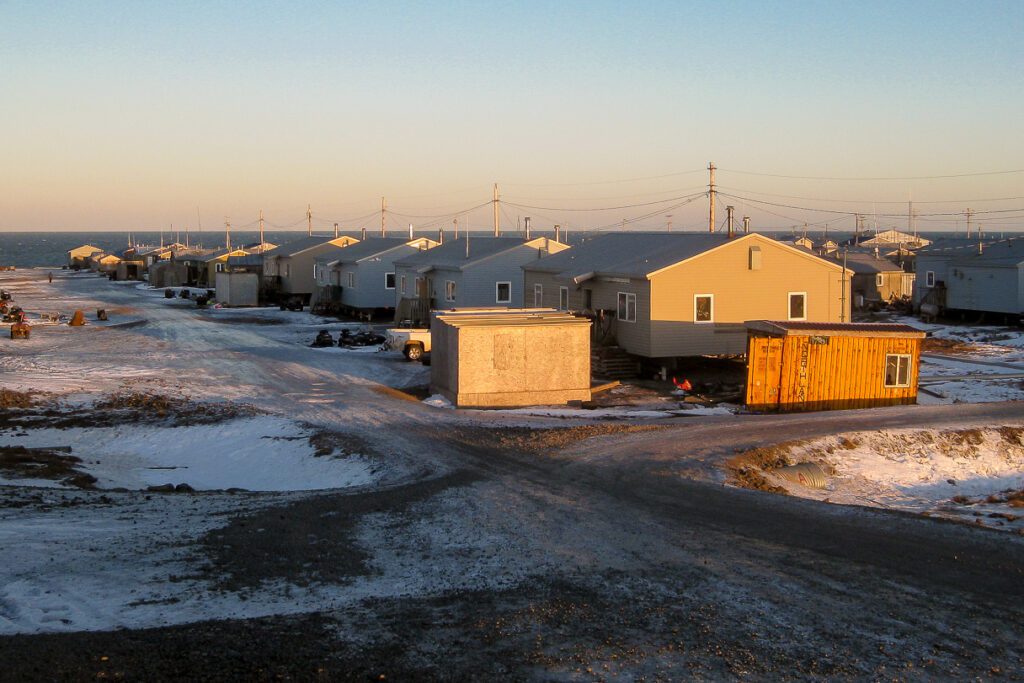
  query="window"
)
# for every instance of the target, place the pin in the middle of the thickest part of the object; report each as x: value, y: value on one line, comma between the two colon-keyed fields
x: 703, y: 308
x: 798, y: 305
x: 351, y: 279
x: 627, y: 307
x: 503, y: 292
x: 879, y: 280
x: 403, y: 284
x: 219, y: 268
x: 316, y: 272
x: 929, y: 278
x: 538, y: 295
x: 897, y: 370
x: 389, y: 280
x: 563, y: 298
x: 449, y: 290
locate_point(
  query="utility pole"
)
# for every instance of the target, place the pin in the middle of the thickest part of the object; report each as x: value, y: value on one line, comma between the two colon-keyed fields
x: 456, y: 223
x: 309, y: 220
x: 842, y: 297
x: 186, y: 236
x: 526, y: 222
x: 711, y: 196
x: 335, y: 231
x: 227, y: 234
x: 497, y: 218
x: 199, y: 226
x: 668, y: 223
x: 260, y: 248
x: 856, y: 230
x: 383, y: 216
x: 910, y: 218
x: 969, y: 214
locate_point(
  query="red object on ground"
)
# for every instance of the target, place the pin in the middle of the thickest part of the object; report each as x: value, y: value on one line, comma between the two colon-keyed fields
x: 684, y: 385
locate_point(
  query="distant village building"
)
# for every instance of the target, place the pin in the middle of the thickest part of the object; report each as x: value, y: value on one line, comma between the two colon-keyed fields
x: 362, y: 278
x: 467, y: 272
x: 79, y: 255
x: 288, y: 269
x: 983, y: 277
x: 666, y: 295
x: 895, y: 238
x: 876, y: 279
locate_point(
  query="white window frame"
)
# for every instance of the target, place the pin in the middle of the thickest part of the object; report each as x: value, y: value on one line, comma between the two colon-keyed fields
x: 218, y: 268
x: 789, y: 306
x: 622, y: 303
x: 497, y: 292
x: 351, y: 280
x: 563, y: 298
x: 903, y: 360
x: 702, y: 296
x: 929, y: 278
x: 879, y: 280
x: 386, y: 276
x: 403, y: 282
x: 538, y: 295
x: 449, y: 290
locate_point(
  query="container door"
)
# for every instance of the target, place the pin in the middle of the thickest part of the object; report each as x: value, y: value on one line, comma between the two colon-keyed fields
x: 764, y: 364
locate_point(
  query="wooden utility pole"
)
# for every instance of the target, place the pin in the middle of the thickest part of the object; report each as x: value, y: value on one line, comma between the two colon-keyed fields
x: 455, y: 222
x: 260, y: 248
x: 969, y: 214
x: 383, y: 216
x: 668, y: 222
x: 857, y: 220
x: 497, y: 217
x: 309, y: 220
x: 711, y: 196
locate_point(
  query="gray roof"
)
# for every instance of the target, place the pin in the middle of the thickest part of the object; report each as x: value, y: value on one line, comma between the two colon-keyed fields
x: 452, y: 254
x: 371, y: 246
x: 866, y: 263
x: 1008, y: 252
x: 302, y: 244
x: 632, y: 254
x: 247, y: 260
x: 953, y: 246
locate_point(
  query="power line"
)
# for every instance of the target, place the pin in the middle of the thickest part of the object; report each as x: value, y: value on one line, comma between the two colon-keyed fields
x: 851, y: 213
x: 604, y: 208
x: 606, y: 182
x: 922, y: 177
x: 875, y: 201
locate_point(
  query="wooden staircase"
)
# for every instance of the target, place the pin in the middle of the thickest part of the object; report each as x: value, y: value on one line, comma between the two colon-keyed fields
x: 611, y: 362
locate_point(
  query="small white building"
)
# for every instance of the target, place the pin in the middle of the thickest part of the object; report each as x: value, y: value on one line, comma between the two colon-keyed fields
x: 238, y: 288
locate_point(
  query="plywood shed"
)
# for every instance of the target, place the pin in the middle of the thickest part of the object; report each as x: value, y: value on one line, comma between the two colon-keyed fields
x: 238, y: 289
x: 794, y: 366
x: 490, y: 358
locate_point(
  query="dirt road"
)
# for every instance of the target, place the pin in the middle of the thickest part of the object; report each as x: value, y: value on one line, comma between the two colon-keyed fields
x: 513, y: 558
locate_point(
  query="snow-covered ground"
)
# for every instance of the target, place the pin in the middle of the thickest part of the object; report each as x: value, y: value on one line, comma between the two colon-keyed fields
x: 957, y: 474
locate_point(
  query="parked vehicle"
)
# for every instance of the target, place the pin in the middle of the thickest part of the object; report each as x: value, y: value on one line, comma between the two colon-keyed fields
x: 413, y: 343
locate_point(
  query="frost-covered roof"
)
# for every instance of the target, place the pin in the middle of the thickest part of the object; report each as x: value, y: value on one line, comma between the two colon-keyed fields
x: 452, y: 254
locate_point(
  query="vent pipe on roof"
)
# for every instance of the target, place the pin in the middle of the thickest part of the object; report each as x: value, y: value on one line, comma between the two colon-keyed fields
x: 362, y: 234
x: 526, y: 223
x: 746, y: 225
x: 467, y: 244
x: 558, y: 233
x: 440, y: 236
x: 729, y: 210
x: 335, y: 231
x: 410, y: 231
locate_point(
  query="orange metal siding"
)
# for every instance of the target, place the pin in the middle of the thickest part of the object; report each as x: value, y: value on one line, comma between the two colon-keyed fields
x: 791, y: 374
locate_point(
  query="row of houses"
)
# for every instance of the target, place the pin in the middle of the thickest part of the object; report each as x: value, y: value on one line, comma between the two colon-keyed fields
x: 978, y: 276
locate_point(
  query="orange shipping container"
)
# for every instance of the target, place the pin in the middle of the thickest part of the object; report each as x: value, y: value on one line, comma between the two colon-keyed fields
x: 794, y: 366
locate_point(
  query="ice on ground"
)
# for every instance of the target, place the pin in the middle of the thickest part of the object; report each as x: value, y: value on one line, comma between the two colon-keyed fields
x: 438, y: 401
x: 258, y: 454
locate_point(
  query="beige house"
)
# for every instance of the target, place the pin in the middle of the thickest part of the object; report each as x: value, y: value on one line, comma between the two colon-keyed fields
x: 105, y: 263
x: 505, y: 357
x: 876, y: 279
x: 79, y: 255
x: 288, y: 269
x: 665, y: 295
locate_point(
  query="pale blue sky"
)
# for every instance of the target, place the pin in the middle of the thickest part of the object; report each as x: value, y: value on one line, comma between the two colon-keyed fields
x: 129, y: 115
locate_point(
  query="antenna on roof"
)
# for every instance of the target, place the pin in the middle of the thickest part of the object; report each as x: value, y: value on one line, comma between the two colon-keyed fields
x: 526, y: 222
x: 467, y: 244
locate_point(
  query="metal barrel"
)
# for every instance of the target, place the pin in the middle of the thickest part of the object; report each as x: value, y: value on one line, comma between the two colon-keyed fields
x: 808, y: 474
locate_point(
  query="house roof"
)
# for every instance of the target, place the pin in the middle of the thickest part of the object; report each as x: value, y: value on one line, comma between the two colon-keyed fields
x: 452, y: 254
x: 800, y: 328
x: 302, y: 244
x: 1009, y: 252
x: 219, y: 253
x: 368, y: 248
x: 492, y: 317
x: 866, y: 263
x: 628, y: 253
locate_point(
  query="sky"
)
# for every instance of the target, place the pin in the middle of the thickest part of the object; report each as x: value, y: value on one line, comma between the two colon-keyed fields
x: 147, y: 114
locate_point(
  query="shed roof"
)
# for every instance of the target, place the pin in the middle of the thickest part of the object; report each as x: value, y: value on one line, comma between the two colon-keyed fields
x: 492, y: 317
x: 1009, y: 252
x: 792, y: 328
x: 867, y: 263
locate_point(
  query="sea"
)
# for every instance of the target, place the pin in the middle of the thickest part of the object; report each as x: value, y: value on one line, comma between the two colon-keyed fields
x: 49, y: 249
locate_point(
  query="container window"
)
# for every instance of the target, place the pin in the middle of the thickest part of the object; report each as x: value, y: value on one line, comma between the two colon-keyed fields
x: 897, y: 370
x: 798, y: 305
x: 503, y: 292
x: 627, y: 307
x: 703, y: 308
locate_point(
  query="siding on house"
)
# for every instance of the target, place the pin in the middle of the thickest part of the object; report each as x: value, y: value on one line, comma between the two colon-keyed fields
x: 293, y: 263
